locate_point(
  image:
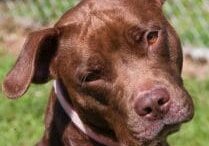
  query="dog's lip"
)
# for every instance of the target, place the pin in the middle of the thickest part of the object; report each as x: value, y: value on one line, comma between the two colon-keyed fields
x: 168, y: 129
x: 161, y: 135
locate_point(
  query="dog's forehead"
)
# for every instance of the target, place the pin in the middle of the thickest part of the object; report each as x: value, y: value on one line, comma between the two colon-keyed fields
x: 128, y: 10
x: 91, y: 22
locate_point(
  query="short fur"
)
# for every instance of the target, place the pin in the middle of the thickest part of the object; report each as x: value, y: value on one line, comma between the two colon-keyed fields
x: 106, y: 53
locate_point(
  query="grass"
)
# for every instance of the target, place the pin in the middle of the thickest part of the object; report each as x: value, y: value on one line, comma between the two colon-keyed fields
x: 21, y: 121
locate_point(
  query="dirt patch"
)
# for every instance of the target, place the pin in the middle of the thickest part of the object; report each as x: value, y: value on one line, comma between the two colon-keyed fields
x: 13, y: 35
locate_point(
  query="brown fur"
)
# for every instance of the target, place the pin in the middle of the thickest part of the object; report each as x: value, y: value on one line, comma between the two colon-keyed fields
x: 103, y: 54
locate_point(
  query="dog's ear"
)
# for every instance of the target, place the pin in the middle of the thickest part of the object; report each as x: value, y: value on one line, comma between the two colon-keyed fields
x: 33, y: 63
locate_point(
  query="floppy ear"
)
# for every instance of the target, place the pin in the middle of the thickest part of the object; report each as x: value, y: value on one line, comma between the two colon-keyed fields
x: 33, y: 62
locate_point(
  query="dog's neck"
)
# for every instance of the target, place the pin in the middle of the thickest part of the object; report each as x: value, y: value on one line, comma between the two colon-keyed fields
x: 73, y: 115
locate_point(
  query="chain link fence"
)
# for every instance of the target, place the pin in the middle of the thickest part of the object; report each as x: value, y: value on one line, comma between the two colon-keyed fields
x: 189, y: 17
x: 40, y: 11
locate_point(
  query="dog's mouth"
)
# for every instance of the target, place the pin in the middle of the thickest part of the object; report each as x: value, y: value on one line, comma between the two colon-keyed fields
x: 169, y: 129
x: 154, y: 132
x: 160, y: 136
x: 158, y: 140
x: 158, y: 130
x: 162, y: 132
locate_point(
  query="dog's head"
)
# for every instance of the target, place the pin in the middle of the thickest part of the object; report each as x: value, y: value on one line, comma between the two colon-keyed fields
x: 120, y: 62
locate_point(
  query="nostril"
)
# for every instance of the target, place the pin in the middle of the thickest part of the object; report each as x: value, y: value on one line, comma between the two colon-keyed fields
x: 147, y: 110
x: 161, y: 101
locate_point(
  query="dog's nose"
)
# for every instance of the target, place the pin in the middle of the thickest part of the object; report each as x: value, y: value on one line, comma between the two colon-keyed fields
x: 153, y: 104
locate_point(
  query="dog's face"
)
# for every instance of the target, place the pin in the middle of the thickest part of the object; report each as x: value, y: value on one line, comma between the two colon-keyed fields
x: 120, y: 62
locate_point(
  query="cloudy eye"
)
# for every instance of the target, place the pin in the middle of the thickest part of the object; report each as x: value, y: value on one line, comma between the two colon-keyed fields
x: 152, y: 37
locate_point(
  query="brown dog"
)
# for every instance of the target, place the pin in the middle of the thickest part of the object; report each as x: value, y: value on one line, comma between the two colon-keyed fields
x: 117, y: 66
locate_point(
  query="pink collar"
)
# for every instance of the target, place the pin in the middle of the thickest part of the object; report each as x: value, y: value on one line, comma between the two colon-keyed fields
x: 73, y: 115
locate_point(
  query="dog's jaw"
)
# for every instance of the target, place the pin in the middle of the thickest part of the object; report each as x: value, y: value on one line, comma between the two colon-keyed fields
x: 160, y: 140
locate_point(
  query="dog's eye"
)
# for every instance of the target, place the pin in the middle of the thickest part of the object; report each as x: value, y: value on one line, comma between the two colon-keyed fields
x: 91, y: 76
x: 152, y: 37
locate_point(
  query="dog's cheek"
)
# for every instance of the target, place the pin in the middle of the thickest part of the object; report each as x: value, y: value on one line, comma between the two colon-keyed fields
x: 98, y: 94
x: 175, y: 48
x: 101, y: 97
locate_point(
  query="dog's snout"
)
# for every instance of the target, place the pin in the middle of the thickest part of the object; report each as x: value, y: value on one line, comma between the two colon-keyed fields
x: 153, y: 104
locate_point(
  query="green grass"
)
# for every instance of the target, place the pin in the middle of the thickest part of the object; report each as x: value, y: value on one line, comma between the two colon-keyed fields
x: 21, y: 121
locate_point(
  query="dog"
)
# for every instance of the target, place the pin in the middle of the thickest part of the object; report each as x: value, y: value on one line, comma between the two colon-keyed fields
x: 116, y: 67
